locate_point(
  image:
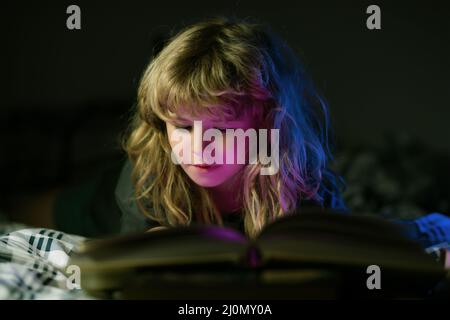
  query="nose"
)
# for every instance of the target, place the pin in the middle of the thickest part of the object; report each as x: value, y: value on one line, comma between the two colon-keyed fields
x: 198, y: 145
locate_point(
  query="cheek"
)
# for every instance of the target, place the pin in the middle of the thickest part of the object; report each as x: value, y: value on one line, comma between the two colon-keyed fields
x: 169, y: 131
x: 180, y: 143
x: 229, y: 150
x: 237, y: 151
x: 229, y: 170
x: 216, y: 178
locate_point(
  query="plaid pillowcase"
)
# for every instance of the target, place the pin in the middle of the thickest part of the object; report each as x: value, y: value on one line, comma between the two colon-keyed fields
x: 33, y: 264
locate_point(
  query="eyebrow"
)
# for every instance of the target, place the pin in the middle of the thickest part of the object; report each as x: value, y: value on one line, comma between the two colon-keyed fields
x: 179, y: 120
x: 232, y: 122
x: 185, y: 122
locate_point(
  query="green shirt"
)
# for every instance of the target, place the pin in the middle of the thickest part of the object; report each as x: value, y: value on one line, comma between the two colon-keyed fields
x: 105, y: 206
x: 102, y: 205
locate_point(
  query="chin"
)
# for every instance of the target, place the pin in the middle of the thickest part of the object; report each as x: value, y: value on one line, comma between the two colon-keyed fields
x: 207, y: 182
x: 211, y: 179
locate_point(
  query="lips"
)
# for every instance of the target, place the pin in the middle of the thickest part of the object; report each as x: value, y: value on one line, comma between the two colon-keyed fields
x: 204, y: 166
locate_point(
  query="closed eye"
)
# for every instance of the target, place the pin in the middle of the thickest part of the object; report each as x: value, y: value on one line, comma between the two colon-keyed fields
x: 190, y: 128
x: 185, y: 127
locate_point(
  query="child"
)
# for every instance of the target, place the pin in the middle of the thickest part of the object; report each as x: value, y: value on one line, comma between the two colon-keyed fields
x: 228, y: 75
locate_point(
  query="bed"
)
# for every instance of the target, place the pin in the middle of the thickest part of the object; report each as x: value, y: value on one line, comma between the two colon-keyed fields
x: 34, y: 264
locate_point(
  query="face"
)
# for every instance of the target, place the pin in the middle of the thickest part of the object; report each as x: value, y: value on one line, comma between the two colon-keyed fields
x: 203, y: 174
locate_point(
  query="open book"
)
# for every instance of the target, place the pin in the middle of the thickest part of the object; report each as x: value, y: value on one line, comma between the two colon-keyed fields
x: 312, y: 254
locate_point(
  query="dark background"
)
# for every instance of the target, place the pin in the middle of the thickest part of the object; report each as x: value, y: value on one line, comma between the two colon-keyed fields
x: 66, y: 95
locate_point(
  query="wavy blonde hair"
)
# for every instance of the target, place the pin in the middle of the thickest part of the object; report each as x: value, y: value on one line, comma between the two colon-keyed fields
x: 224, y: 67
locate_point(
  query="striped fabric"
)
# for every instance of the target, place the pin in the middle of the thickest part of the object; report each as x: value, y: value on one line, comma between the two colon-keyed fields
x: 33, y: 264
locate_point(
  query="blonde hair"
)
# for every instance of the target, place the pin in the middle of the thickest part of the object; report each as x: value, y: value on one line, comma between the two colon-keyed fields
x: 223, y: 68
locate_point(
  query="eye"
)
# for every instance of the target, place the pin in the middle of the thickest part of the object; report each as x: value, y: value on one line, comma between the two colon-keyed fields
x: 185, y: 127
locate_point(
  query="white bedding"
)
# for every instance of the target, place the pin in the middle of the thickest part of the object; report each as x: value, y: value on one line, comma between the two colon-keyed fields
x: 34, y: 264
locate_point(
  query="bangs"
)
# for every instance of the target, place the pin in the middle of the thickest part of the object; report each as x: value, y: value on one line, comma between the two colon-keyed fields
x: 199, y: 74
x: 215, y: 107
x: 200, y: 90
